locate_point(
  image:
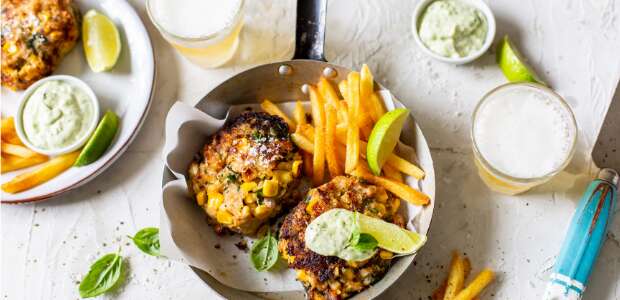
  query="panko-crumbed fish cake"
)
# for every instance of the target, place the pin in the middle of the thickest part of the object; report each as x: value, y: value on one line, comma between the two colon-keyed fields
x: 247, y: 173
x: 36, y: 35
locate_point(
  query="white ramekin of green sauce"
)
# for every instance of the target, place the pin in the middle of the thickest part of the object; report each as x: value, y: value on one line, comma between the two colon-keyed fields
x: 453, y: 31
x: 57, y: 115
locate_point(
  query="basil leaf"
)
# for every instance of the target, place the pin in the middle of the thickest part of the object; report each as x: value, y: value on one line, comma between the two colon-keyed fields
x: 147, y: 240
x: 103, y: 276
x: 366, y: 242
x: 264, y: 253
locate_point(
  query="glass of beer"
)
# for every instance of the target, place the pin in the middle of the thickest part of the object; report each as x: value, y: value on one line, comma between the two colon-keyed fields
x: 523, y: 134
x: 204, y: 31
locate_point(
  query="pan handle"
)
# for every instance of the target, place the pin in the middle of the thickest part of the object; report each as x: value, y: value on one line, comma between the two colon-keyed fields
x: 310, y: 30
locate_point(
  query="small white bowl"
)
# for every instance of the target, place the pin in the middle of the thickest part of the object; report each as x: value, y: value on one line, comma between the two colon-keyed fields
x: 76, y: 82
x: 480, y: 5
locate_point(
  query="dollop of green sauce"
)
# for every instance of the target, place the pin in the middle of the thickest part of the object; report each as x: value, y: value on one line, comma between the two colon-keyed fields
x: 56, y: 115
x: 330, y: 235
x: 452, y: 28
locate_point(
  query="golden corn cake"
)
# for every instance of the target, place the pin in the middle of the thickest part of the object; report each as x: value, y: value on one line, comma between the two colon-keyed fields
x: 36, y: 35
x: 329, y: 277
x: 246, y: 173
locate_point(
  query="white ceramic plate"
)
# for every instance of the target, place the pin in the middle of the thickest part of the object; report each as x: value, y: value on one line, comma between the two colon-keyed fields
x: 126, y: 89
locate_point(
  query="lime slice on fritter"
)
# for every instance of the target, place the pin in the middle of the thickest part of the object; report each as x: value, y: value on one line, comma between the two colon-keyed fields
x: 513, y: 64
x: 102, y: 43
x: 100, y: 140
x: 390, y: 236
x: 384, y: 137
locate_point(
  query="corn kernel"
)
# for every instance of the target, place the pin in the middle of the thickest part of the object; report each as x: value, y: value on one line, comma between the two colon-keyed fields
x: 200, y: 198
x: 250, y: 198
x: 214, y: 202
x: 283, y: 176
x: 302, y: 276
x: 297, y: 167
x: 270, y: 188
x: 311, y: 204
x: 380, y: 208
x: 348, y: 274
x: 224, y: 217
x: 248, y: 186
x: 261, y: 211
x: 385, y: 254
x: 245, y: 212
x: 212, y: 190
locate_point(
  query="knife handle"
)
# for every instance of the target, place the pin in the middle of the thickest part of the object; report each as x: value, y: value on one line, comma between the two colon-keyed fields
x: 584, y: 238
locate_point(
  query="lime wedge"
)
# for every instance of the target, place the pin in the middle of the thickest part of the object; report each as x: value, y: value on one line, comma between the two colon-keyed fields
x: 513, y: 64
x: 390, y: 236
x: 102, y: 43
x: 100, y: 140
x: 384, y: 137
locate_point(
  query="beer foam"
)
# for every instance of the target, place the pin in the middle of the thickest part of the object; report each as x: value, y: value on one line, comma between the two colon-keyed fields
x: 524, y: 131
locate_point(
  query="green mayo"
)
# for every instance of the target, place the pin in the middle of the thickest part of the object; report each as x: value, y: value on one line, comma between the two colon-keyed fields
x: 56, y: 115
x: 330, y: 234
x: 452, y: 28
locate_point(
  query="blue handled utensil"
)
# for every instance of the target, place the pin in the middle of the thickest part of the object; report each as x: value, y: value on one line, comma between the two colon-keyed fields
x: 595, y: 211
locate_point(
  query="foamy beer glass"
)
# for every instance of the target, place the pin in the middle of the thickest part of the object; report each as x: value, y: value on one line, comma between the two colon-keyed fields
x: 204, y: 31
x: 523, y: 134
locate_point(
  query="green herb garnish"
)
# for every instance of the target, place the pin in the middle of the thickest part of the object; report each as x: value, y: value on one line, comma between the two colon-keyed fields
x: 103, y: 276
x: 232, y: 177
x: 147, y: 240
x: 366, y: 242
x: 264, y: 253
x: 259, y: 196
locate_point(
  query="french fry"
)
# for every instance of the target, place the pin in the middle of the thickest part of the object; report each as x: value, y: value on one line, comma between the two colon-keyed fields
x: 299, y: 114
x: 404, y: 166
x: 328, y: 92
x: 303, y: 142
x: 440, y: 292
x: 456, y: 277
x: 353, y: 133
x: 46, y: 172
x: 343, y: 87
x: 318, y: 118
x: 376, y: 107
x: 308, y: 131
x: 330, y: 141
x: 273, y: 109
x: 401, y: 190
x: 366, y: 88
x: 307, y: 157
x: 8, y: 133
x: 17, y: 150
x: 342, y: 113
x: 393, y: 174
x: 476, y: 286
x: 12, y: 163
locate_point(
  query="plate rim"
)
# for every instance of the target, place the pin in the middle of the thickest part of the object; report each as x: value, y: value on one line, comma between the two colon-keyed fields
x: 123, y: 148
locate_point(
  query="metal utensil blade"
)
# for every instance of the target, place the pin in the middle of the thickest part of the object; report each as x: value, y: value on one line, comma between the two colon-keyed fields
x: 606, y: 152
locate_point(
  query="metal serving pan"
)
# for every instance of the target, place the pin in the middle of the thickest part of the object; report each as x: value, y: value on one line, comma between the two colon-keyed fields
x: 281, y: 82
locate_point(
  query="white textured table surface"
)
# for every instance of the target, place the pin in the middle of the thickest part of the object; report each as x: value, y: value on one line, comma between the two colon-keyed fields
x: 48, y: 247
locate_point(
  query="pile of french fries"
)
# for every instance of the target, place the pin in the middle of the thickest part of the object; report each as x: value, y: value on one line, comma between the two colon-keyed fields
x: 453, y: 288
x: 16, y: 156
x: 337, y: 136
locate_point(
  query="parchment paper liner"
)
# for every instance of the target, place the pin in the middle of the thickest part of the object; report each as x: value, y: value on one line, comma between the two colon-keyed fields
x: 186, y: 237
